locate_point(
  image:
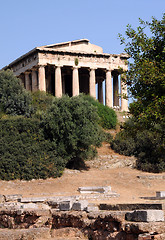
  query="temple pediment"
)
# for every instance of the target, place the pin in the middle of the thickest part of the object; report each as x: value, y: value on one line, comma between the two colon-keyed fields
x: 82, y: 45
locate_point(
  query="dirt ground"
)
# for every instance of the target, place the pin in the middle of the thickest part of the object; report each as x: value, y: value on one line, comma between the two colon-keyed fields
x: 123, y: 180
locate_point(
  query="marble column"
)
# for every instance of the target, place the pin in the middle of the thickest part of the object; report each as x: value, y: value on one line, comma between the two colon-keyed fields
x: 58, y: 82
x: 75, y: 82
x: 108, y: 89
x: 100, y: 91
x: 27, y: 81
x: 34, y: 81
x: 115, y: 90
x: 92, y: 82
x: 41, y: 78
x: 124, y: 102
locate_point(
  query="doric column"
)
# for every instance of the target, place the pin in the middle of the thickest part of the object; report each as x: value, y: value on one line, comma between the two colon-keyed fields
x: 108, y: 89
x: 58, y: 82
x: 124, y: 102
x: 100, y: 92
x: 115, y: 89
x: 92, y: 82
x: 34, y: 81
x: 41, y: 78
x: 27, y: 81
x: 75, y: 82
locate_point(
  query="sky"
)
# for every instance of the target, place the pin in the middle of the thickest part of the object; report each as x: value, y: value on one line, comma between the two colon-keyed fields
x: 27, y: 24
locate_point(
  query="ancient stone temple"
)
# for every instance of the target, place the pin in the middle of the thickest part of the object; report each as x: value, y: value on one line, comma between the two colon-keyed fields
x: 72, y: 68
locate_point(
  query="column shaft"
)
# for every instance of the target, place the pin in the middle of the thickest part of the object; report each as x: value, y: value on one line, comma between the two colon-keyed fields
x: 58, y: 82
x: 92, y: 82
x: 124, y: 102
x: 100, y: 92
x: 27, y: 81
x: 34, y: 81
x: 115, y: 90
x: 41, y: 78
x: 75, y: 82
x: 108, y: 89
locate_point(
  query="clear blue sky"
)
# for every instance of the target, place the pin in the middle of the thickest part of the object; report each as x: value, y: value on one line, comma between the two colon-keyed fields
x: 30, y: 23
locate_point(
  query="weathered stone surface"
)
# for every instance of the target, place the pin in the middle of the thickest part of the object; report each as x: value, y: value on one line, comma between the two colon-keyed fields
x: 99, y: 196
x: 65, y: 206
x: 33, y: 200
x: 25, y: 234
x: 14, y: 197
x: 35, y: 206
x: 92, y: 208
x: 53, y: 204
x: 80, y: 205
x: 130, y: 207
x: 160, y: 194
x: 145, y: 216
x: 94, y: 189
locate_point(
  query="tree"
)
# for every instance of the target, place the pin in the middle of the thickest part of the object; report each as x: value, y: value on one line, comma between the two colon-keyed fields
x: 146, y: 75
x: 144, y: 134
x: 14, y: 99
x: 72, y: 124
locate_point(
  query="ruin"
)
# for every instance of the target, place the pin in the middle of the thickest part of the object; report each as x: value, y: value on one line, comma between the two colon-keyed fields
x: 72, y: 68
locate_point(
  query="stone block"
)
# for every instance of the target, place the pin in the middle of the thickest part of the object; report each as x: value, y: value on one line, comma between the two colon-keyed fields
x: 94, y: 189
x: 160, y: 194
x: 130, y: 206
x: 13, y: 197
x: 33, y: 200
x: 80, y: 205
x: 145, y: 216
x: 53, y: 204
x: 92, y: 208
x: 65, y: 206
x: 35, y: 206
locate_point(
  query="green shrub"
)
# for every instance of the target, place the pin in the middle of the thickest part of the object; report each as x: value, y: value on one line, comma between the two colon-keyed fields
x: 71, y: 123
x: 108, y: 118
x: 24, y: 152
x: 148, y: 145
x: 41, y: 102
x: 14, y: 99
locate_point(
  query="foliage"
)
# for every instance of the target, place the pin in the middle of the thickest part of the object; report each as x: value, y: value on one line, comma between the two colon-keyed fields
x: 146, y: 75
x: 71, y: 123
x: 148, y: 145
x: 24, y: 152
x: 14, y: 99
x: 41, y: 101
x: 108, y: 118
x: 144, y: 135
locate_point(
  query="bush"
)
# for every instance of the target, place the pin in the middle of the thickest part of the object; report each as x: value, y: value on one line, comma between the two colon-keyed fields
x: 14, y: 99
x: 108, y: 118
x: 41, y: 101
x: 24, y: 152
x: 71, y: 123
x: 148, y: 145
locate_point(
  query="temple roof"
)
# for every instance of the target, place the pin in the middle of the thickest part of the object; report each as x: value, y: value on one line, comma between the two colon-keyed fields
x: 81, y: 45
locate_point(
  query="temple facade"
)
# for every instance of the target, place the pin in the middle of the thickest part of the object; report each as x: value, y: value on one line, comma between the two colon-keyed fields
x: 71, y: 68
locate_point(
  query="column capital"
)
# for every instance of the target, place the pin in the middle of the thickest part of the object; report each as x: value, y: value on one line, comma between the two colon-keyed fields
x: 75, y: 67
x: 41, y: 65
x: 92, y: 68
x: 27, y: 72
x: 58, y: 66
